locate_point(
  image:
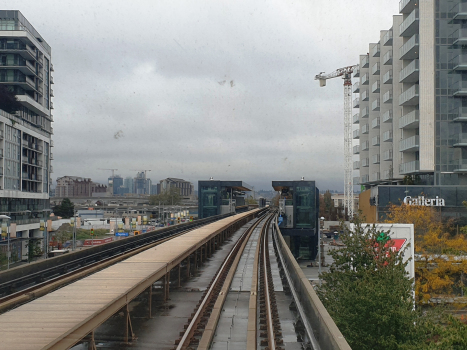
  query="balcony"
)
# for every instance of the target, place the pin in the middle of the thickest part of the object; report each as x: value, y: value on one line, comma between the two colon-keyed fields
x: 356, y: 103
x: 51, y: 143
x: 409, y: 97
x: 1, y: 153
x: 356, y: 165
x: 364, y: 179
x: 52, y: 93
x: 410, y: 49
x: 387, y: 38
x: 459, y: 89
x: 387, y: 97
x: 22, y: 80
x: 375, y: 123
x: 375, y: 105
x: 356, y: 149
x: 51, y: 156
x: 365, y: 96
x: 1, y: 172
x: 365, y: 162
x: 459, y: 62
x: 51, y: 169
x: 375, y: 87
x: 459, y: 37
x: 387, y: 77
x: 458, y: 165
x: 356, y: 119
x: 1, y: 134
x: 365, y: 129
x: 410, y: 144
x: 387, y: 58
x: 375, y: 52
x: 356, y: 180
x: 387, y: 116
x: 356, y: 134
x: 459, y: 140
x: 356, y: 88
x: 407, y: 6
x: 16, y: 47
x: 459, y: 114
x: 375, y: 176
x: 410, y: 120
x: 365, y: 63
x: 410, y: 167
x: 387, y: 155
x: 410, y: 25
x: 375, y: 69
x: 365, y: 112
x: 365, y: 146
x: 459, y: 11
x: 410, y: 73
x: 365, y: 79
x: 375, y: 159
x: 387, y: 136
x: 375, y: 141
x: 387, y: 174
x: 19, y: 63
x: 356, y: 72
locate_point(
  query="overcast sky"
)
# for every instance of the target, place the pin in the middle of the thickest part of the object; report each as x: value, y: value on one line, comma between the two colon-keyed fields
x: 194, y: 89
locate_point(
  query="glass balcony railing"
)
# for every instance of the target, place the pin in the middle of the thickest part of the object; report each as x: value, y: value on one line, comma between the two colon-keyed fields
x: 356, y: 180
x: 387, y: 58
x: 356, y: 149
x: 407, y: 6
x: 375, y: 123
x: 387, y: 136
x: 375, y: 88
x: 356, y: 165
x: 375, y: 52
x: 364, y: 178
x: 356, y: 103
x: 387, y: 97
x: 459, y: 37
x: 459, y: 62
x: 365, y: 145
x: 409, y: 144
x: 409, y: 167
x: 375, y: 69
x: 365, y: 112
x: 365, y: 79
x: 409, y: 26
x: 387, y: 77
x: 365, y: 162
x: 459, y: 11
x: 387, y: 38
x: 410, y: 73
x: 458, y: 165
x: 459, y: 88
x: 410, y: 120
x: 375, y: 159
x: 365, y: 96
x: 356, y: 134
x: 356, y: 88
x: 409, y: 96
x: 387, y: 174
x: 375, y: 105
x: 387, y: 155
x: 356, y: 119
x: 365, y: 129
x: 459, y: 140
x: 365, y: 62
x: 356, y: 72
x: 375, y: 176
x: 459, y: 114
x: 409, y: 50
x: 387, y: 116
x: 375, y: 141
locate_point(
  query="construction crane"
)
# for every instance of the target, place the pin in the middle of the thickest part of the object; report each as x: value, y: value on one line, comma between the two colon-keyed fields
x: 145, y: 170
x: 346, y: 74
x: 113, y: 171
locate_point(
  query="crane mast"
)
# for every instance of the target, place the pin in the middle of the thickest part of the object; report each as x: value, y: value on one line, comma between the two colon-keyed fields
x: 346, y: 74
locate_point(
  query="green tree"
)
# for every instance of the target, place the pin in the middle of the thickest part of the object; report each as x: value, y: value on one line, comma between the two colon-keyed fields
x: 250, y: 200
x: 368, y: 293
x: 8, y: 101
x: 169, y: 197
x: 65, y: 209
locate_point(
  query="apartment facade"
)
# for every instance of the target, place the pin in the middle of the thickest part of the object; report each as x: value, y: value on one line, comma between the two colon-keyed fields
x: 25, y: 135
x: 185, y: 187
x: 74, y: 186
x: 412, y: 102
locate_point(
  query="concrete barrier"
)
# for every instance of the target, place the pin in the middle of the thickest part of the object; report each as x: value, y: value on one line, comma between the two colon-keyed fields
x: 327, y: 334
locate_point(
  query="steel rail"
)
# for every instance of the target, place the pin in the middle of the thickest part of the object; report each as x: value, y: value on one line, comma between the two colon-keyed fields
x: 269, y: 315
x: 301, y: 310
x: 227, y: 265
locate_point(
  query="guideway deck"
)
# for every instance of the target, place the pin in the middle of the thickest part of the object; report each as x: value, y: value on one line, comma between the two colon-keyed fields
x: 62, y: 318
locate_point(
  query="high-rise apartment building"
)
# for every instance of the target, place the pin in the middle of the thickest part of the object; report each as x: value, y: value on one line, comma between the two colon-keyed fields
x: 25, y: 135
x: 413, y: 107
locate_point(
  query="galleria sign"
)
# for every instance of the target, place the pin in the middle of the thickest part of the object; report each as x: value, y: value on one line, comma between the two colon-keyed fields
x: 426, y: 202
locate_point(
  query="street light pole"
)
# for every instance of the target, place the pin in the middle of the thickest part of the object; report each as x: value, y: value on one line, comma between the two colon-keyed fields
x: 3, y: 217
x: 319, y: 250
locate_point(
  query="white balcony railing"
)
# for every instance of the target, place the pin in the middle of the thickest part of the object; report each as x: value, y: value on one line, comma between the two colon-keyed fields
x: 387, y: 155
x: 409, y: 96
x: 387, y: 38
x: 375, y: 141
x: 387, y: 116
x: 365, y: 129
x: 387, y: 58
x: 410, y: 49
x: 387, y: 136
x: 387, y: 97
x: 375, y: 69
x: 410, y: 73
x: 409, y: 167
x: 365, y: 145
x: 409, y: 120
x: 376, y: 50
x: 387, y: 77
x: 409, y: 144
x: 375, y: 88
x: 410, y: 25
x: 375, y: 105
x: 375, y: 123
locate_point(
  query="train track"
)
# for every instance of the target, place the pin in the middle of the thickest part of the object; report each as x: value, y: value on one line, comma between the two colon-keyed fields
x: 264, y: 329
x: 39, y: 289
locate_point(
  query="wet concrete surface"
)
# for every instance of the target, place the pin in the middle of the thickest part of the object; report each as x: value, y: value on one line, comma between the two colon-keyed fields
x: 168, y: 319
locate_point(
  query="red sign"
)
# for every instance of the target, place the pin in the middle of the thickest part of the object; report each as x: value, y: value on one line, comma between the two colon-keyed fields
x: 398, y: 244
x: 92, y: 242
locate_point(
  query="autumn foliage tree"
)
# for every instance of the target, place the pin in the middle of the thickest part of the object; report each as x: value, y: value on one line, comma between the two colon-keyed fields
x: 441, y: 257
